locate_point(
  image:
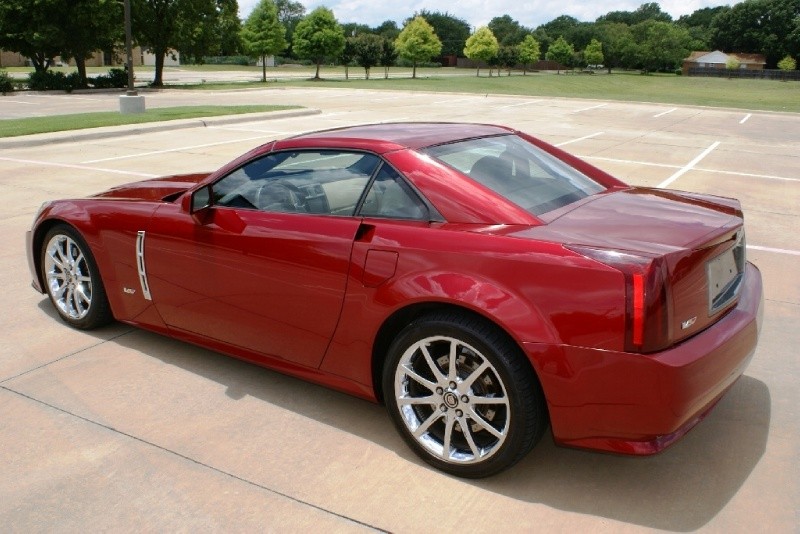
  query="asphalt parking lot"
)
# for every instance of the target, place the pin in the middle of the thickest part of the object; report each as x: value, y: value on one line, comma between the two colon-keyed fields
x: 123, y: 430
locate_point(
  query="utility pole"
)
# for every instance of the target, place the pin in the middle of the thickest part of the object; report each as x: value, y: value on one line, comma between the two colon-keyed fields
x: 131, y: 102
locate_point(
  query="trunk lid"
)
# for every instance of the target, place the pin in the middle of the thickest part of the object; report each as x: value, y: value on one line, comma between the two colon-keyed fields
x: 700, y: 238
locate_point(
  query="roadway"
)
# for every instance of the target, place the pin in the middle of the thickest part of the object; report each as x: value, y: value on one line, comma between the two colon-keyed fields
x: 120, y: 429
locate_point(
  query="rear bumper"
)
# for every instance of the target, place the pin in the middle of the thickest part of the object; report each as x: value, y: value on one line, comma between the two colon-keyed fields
x: 640, y: 404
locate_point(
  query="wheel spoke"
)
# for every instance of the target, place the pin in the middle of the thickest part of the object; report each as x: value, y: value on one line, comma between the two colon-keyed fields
x: 473, y: 376
x: 410, y: 373
x: 423, y: 428
x: 58, y: 295
x: 488, y: 400
x: 82, y: 300
x: 57, y: 259
x: 429, y: 359
x: 452, y: 372
x: 416, y: 401
x: 484, y: 424
x: 468, y: 436
x: 448, y: 436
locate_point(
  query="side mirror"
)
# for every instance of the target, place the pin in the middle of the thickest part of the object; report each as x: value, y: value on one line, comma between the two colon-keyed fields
x: 201, y: 199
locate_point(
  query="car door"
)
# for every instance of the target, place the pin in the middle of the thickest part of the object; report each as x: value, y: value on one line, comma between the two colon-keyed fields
x: 264, y: 266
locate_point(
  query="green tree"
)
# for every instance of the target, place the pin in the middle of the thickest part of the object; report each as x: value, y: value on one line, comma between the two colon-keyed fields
x: 788, y: 63
x: 318, y: 35
x: 228, y: 27
x: 560, y: 26
x: 161, y: 25
x: 32, y: 29
x: 507, y: 58
x: 593, y: 53
x: 529, y: 52
x: 508, y: 31
x: 699, y: 25
x: 88, y: 26
x: 388, y: 56
x: 387, y: 29
x: 418, y: 42
x: 451, y: 31
x: 263, y: 35
x: 347, y: 55
x: 561, y: 52
x: 367, y: 50
x: 482, y: 46
x: 198, y: 36
x: 660, y: 45
x: 290, y: 14
x: 647, y: 11
x: 351, y: 29
x: 618, y: 44
x: 769, y: 27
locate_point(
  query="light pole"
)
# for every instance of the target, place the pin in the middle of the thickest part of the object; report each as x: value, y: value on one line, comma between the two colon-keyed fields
x: 131, y: 102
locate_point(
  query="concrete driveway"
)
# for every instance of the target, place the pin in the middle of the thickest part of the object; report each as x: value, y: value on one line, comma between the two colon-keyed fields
x: 124, y: 430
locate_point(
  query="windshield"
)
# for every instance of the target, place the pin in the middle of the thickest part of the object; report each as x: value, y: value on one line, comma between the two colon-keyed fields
x: 519, y: 171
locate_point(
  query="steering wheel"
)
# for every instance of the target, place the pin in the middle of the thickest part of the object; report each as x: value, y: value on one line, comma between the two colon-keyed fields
x: 281, y: 195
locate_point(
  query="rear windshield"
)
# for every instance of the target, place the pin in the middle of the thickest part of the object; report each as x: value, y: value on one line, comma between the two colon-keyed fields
x: 519, y: 171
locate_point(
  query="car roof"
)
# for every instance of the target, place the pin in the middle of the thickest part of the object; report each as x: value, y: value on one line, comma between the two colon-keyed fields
x: 387, y: 137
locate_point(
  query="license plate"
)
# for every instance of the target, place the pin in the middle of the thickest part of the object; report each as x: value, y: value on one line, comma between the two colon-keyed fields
x: 722, y: 271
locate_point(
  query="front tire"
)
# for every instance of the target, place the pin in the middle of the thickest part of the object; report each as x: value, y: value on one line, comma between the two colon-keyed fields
x: 72, y: 279
x: 462, y: 395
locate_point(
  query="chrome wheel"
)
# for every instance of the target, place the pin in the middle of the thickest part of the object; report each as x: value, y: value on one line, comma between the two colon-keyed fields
x: 452, y: 400
x: 68, y: 277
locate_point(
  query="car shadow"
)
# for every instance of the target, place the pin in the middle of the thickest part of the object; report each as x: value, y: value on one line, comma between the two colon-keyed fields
x: 680, y: 490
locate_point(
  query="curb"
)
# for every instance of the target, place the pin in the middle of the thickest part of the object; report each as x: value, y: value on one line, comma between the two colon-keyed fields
x: 147, y: 127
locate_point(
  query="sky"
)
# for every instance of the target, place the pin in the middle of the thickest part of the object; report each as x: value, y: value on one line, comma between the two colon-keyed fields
x: 530, y: 13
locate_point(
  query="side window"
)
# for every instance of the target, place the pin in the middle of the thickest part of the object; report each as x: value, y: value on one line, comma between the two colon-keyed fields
x: 391, y: 196
x: 326, y: 182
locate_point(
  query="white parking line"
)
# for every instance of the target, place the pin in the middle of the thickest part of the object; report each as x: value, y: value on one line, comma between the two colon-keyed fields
x: 590, y: 108
x: 744, y: 120
x: 529, y: 102
x: 689, y: 166
x: 703, y: 169
x: 388, y: 98
x: 633, y: 162
x: 665, y: 113
x: 579, y: 139
x: 180, y: 149
x: 70, y: 97
x: 4, y: 101
x: 775, y: 250
x: 450, y: 101
x: 81, y: 167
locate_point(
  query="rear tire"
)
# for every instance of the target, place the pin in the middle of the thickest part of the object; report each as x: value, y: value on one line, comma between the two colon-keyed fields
x: 72, y: 279
x: 462, y: 395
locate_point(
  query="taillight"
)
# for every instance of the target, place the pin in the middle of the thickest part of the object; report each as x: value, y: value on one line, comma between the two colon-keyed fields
x: 647, y: 299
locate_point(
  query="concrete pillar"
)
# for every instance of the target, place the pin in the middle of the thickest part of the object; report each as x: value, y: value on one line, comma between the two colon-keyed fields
x: 131, y: 104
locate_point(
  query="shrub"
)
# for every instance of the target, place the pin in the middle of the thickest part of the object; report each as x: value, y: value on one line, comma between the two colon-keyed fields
x: 115, y: 79
x: 7, y: 84
x: 226, y: 60
x: 49, y: 80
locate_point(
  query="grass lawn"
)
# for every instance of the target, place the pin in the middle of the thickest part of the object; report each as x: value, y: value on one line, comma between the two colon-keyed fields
x: 78, y: 121
x: 766, y: 95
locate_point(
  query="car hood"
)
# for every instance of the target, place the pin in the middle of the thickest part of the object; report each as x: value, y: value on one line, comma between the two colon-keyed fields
x: 642, y: 219
x: 157, y: 189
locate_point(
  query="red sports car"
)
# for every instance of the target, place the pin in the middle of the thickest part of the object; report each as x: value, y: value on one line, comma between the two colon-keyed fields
x: 478, y: 281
